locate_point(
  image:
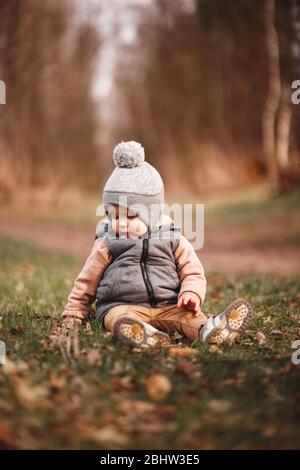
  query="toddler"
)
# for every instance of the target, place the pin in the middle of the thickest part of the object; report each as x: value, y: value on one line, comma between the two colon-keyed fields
x: 145, y: 276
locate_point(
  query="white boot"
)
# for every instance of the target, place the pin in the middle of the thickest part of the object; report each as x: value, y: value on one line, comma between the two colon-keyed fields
x: 228, y: 324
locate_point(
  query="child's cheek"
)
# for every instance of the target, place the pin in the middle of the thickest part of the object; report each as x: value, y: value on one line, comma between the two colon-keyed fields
x: 136, y: 227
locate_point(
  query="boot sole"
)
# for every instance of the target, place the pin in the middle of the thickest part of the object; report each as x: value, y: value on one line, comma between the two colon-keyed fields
x: 233, y: 320
x: 137, y: 334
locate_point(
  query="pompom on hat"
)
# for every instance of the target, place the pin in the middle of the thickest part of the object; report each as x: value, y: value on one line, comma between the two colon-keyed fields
x: 135, y: 184
x: 128, y: 154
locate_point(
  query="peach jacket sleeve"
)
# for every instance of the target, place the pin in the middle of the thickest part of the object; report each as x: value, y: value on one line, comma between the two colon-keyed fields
x: 83, y: 293
x: 190, y: 270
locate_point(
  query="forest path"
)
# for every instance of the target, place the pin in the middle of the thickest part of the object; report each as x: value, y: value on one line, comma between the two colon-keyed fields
x: 271, y: 245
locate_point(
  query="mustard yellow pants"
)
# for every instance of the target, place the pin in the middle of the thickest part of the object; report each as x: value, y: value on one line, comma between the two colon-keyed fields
x: 168, y: 319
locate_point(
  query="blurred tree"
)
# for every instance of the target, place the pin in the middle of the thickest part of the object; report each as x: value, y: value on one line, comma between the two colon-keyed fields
x: 206, y: 86
x: 283, y: 42
x: 49, y: 123
x: 195, y: 85
x: 273, y: 97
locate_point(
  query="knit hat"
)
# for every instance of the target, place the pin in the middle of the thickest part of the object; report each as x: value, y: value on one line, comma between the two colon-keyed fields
x: 135, y: 184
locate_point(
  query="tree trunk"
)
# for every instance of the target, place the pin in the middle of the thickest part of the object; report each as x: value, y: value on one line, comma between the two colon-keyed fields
x: 283, y: 136
x: 273, y: 98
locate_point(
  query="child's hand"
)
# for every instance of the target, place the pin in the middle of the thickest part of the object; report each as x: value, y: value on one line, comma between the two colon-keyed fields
x: 190, y: 302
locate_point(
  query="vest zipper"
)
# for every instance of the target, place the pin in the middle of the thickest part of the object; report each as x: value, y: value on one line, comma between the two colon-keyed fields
x: 145, y: 273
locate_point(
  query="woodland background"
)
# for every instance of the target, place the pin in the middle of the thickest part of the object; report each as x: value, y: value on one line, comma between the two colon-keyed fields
x: 205, y: 87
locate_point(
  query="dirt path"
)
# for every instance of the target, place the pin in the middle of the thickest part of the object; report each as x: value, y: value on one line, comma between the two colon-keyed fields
x: 270, y: 246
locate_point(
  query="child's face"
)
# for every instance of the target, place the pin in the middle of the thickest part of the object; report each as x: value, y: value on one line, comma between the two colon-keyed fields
x: 122, y: 223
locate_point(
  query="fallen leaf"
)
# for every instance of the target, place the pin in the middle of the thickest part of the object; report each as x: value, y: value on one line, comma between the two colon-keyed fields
x: 158, y: 386
x: 88, y: 329
x: 106, y: 334
x: 126, y: 383
x: 7, y: 435
x: 57, y: 382
x: 188, y: 368
x: 30, y: 396
x: 215, y: 349
x: 136, y: 407
x: 218, y: 406
x: 259, y: 313
x: 109, y: 436
x: 260, y: 337
x: 94, y: 357
x: 9, y: 368
x: 5, y: 406
x: 182, y: 352
x: 270, y: 431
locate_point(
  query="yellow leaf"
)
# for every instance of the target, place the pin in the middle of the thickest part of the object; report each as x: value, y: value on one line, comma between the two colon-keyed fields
x: 158, y: 386
x: 182, y: 352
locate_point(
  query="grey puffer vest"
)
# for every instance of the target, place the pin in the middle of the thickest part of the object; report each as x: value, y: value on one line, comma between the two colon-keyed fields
x: 142, y: 271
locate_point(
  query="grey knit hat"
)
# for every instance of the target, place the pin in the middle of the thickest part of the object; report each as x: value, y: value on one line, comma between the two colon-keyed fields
x: 135, y: 184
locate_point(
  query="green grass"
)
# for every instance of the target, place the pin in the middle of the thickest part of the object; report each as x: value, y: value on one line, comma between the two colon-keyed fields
x: 238, y: 211
x: 240, y: 396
